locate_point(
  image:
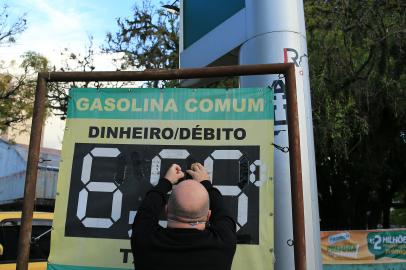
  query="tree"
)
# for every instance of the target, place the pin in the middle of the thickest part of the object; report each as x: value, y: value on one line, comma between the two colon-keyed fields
x: 17, y: 91
x: 9, y: 31
x: 149, y: 40
x: 357, y: 66
x: 58, y: 93
x: 16, y: 94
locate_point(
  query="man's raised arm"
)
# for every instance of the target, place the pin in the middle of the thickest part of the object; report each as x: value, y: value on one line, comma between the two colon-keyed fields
x: 154, y: 202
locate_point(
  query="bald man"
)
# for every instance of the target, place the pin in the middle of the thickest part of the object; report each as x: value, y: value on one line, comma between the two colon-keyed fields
x: 200, y: 233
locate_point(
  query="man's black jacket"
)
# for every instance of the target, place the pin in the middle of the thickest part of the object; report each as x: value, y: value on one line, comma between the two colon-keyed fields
x: 155, y: 247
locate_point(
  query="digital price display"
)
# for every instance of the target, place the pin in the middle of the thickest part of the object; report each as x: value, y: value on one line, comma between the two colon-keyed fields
x: 108, y: 184
x: 118, y: 143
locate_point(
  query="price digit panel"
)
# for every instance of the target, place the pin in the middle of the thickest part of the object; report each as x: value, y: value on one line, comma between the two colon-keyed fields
x: 109, y: 182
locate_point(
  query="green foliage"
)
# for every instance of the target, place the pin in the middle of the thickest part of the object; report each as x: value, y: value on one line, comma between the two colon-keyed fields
x: 17, y: 92
x: 357, y: 66
x: 398, y: 212
x: 149, y: 40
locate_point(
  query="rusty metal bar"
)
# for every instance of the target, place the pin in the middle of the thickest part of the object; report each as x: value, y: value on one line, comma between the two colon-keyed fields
x: 31, y: 175
x: 172, y: 74
x: 209, y: 72
x: 295, y: 171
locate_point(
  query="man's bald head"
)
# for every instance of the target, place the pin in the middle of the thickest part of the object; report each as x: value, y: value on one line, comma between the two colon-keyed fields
x: 189, y: 201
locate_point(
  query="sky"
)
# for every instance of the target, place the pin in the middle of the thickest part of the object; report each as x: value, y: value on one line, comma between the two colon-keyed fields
x: 57, y: 24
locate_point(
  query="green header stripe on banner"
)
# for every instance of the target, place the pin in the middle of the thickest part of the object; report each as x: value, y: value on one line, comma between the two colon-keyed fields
x: 172, y: 103
x: 73, y: 267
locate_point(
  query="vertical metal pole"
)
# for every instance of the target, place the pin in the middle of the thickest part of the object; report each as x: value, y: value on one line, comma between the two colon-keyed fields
x: 295, y: 171
x: 275, y: 33
x: 31, y: 175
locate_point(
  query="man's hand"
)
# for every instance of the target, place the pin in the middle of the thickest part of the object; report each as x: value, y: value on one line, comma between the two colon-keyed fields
x: 198, y: 172
x: 174, y: 173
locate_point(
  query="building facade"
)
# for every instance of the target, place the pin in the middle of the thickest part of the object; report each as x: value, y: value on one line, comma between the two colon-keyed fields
x: 13, y: 163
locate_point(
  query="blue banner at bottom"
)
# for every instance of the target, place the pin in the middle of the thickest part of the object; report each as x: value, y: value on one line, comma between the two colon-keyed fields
x: 383, y: 266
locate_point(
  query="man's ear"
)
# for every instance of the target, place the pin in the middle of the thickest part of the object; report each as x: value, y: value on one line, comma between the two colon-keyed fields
x: 208, y: 215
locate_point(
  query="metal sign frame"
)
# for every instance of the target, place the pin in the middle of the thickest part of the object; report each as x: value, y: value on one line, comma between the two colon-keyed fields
x: 288, y: 70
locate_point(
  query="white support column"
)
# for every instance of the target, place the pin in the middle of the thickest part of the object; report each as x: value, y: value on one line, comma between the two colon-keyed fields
x: 275, y: 33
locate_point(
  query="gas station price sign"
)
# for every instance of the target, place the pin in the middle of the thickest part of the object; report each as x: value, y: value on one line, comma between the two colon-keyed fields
x: 118, y: 143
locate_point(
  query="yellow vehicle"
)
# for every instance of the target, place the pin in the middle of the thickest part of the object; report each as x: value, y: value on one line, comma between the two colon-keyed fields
x: 40, y: 241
